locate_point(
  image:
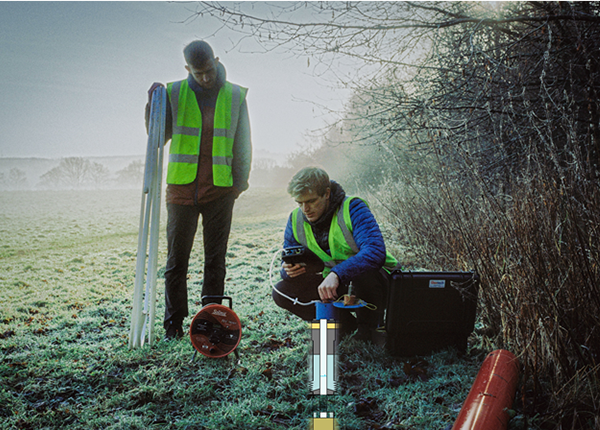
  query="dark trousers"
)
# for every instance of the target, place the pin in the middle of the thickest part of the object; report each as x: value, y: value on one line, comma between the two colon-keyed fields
x: 372, y: 287
x: 182, y: 224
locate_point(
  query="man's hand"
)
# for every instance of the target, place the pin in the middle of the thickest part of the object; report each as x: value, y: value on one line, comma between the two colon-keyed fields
x: 293, y: 270
x: 328, y: 288
x: 154, y: 86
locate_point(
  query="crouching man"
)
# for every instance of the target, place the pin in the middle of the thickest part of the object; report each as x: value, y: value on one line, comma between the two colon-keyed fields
x: 343, y: 234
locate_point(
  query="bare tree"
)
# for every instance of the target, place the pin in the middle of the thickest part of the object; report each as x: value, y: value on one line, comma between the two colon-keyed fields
x: 97, y: 175
x: 17, y: 179
x: 75, y: 172
x: 53, y: 178
x: 131, y: 175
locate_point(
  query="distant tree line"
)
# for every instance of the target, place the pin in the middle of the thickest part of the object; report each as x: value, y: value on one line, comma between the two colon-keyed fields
x: 76, y: 173
x: 79, y: 173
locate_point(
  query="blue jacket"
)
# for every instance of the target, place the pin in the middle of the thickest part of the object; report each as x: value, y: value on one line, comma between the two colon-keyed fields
x: 366, y: 233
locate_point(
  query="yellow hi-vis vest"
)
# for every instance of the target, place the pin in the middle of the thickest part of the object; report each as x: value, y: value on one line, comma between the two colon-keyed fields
x: 341, y: 241
x: 187, y: 132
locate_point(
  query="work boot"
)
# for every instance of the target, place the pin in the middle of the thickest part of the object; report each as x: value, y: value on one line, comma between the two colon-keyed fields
x: 174, y: 331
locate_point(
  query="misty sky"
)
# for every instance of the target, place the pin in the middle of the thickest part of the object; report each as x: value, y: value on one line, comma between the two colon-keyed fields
x: 75, y: 77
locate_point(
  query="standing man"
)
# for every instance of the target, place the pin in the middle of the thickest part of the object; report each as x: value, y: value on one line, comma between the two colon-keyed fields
x: 342, y: 232
x: 209, y: 166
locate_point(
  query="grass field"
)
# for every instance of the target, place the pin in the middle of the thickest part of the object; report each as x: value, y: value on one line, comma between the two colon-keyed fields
x: 67, y: 261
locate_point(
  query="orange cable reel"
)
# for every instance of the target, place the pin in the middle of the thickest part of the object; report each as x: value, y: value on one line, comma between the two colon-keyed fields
x: 215, y: 331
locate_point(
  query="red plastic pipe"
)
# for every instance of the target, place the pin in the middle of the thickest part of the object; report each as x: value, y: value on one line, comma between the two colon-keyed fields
x: 491, y: 395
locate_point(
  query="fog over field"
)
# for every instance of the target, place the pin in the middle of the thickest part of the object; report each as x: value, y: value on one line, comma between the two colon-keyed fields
x: 118, y: 171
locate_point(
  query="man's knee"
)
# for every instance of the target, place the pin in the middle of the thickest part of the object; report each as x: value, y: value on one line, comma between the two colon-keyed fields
x: 279, y: 300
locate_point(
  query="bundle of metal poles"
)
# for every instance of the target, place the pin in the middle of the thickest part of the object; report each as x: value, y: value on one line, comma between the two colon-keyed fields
x: 144, y: 299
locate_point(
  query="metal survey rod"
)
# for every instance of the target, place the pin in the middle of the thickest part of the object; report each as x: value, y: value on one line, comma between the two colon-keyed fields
x: 150, y: 300
x: 144, y: 301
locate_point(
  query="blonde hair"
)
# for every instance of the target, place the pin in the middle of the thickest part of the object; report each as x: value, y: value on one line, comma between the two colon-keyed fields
x: 309, y: 179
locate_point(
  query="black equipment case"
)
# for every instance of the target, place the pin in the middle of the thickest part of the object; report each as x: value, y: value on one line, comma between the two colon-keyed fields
x: 429, y: 311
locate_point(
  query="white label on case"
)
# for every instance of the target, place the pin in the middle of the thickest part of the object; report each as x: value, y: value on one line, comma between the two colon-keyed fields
x: 437, y: 284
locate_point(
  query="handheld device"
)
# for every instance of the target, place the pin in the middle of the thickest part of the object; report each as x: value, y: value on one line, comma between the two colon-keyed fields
x: 294, y: 255
x: 304, y: 257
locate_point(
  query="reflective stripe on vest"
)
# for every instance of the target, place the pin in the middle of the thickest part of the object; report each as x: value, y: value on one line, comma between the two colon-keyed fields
x: 187, y: 130
x: 341, y: 240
